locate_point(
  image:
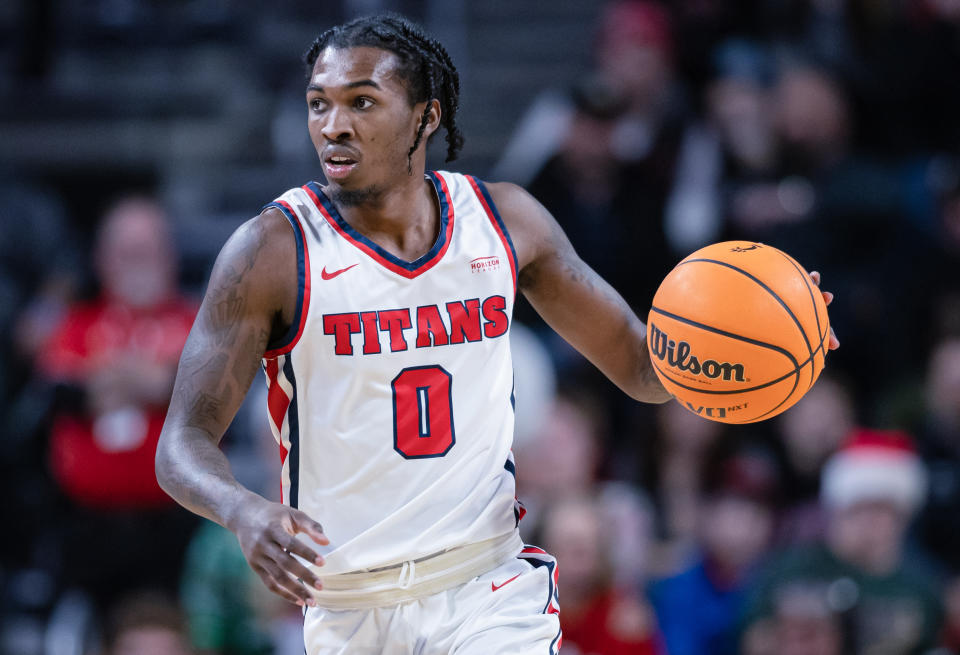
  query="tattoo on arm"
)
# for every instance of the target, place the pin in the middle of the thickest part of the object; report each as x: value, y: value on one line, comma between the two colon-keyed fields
x: 219, y: 362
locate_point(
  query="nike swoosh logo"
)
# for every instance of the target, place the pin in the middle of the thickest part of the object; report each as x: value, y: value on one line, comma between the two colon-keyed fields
x: 330, y: 276
x: 494, y: 587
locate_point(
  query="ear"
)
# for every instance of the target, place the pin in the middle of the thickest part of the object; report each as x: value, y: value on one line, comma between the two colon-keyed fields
x: 433, y: 119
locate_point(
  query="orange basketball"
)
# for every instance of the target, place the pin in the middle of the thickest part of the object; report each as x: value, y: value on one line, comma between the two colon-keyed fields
x: 738, y: 332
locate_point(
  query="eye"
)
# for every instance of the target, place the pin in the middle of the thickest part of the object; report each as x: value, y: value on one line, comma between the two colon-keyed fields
x: 316, y: 104
x: 363, y: 102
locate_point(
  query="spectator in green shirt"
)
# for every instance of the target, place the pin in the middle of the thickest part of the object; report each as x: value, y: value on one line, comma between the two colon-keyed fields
x: 857, y: 590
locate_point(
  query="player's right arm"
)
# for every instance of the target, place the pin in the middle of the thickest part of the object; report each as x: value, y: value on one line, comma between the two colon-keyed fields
x: 251, y: 296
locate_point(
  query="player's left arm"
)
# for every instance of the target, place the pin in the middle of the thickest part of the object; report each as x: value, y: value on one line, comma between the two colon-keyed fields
x: 576, y: 302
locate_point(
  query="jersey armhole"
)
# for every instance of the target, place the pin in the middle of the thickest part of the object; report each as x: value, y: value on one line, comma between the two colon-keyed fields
x: 490, y: 208
x: 286, y: 343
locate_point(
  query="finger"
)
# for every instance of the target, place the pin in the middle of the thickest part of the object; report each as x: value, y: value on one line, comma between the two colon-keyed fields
x: 815, y: 276
x: 834, y: 341
x: 305, y: 524
x: 286, y: 586
x: 271, y: 583
x: 827, y: 297
x: 300, y: 549
x: 293, y: 567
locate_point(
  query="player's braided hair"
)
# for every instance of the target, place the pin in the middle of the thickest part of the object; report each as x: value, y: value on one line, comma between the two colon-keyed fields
x: 424, y: 65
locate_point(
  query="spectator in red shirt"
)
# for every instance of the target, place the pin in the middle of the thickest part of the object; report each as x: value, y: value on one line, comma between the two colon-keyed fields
x: 118, y: 354
x: 596, y: 617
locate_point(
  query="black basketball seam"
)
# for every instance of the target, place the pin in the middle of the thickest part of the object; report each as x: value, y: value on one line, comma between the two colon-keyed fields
x: 813, y: 301
x: 796, y: 381
x: 718, y: 392
x: 797, y: 367
x: 765, y: 288
x: 732, y: 335
x: 796, y: 372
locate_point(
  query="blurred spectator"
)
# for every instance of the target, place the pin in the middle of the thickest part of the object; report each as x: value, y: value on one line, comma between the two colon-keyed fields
x: 534, y: 381
x: 114, y: 359
x: 602, y: 158
x: 120, y: 351
x: 734, y: 146
x: 802, y: 623
x: 223, y: 597
x: 885, y: 601
x: 628, y: 516
x: 672, y: 477
x: 951, y: 606
x: 39, y: 273
x: 937, y: 272
x: 634, y: 53
x: 811, y: 432
x: 146, y: 624
x: 582, y: 184
x: 603, y: 202
x: 595, y: 616
x: 940, y: 448
x: 562, y: 457
x: 735, y: 527
x: 842, y: 212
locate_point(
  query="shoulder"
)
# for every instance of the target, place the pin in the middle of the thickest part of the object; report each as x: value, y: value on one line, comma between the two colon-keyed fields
x: 269, y: 232
x: 532, y: 229
x: 259, y: 260
x: 514, y: 202
x: 262, y: 243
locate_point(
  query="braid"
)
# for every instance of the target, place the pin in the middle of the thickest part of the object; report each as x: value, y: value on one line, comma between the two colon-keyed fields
x: 425, y: 64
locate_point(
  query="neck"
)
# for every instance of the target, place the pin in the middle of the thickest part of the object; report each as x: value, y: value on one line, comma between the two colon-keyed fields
x: 402, y: 218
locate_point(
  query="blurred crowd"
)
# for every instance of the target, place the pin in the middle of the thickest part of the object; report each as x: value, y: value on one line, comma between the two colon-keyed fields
x: 827, y: 128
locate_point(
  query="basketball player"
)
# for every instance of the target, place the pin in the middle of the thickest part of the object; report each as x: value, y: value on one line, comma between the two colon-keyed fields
x: 379, y: 308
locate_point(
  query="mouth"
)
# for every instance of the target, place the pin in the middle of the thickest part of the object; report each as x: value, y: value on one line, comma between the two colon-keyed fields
x: 337, y: 166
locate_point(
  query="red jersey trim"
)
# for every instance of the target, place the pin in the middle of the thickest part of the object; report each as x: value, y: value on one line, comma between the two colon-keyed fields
x: 386, y: 259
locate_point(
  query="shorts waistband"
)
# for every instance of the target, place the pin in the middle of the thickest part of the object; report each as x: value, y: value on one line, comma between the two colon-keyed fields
x: 415, y: 579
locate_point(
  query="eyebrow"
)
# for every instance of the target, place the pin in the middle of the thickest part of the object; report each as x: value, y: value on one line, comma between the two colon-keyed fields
x: 351, y: 85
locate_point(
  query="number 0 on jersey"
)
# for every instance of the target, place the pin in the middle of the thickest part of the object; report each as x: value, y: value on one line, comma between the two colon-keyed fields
x: 423, y: 412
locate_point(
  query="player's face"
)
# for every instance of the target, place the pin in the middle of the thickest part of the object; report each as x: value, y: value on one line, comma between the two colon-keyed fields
x: 360, y: 117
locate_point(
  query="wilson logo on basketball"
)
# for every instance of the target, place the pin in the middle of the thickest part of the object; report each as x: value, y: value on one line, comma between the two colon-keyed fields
x: 677, y: 355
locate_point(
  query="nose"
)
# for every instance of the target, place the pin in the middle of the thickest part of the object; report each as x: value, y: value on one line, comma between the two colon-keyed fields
x: 337, y: 125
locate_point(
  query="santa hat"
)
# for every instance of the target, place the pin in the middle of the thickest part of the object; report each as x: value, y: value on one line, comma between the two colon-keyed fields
x: 636, y: 22
x: 875, y: 465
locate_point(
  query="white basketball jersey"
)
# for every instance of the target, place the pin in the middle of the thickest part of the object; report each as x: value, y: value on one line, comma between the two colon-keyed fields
x: 392, y: 395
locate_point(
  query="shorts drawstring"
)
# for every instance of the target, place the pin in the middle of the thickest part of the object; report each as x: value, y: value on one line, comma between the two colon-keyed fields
x: 407, y: 573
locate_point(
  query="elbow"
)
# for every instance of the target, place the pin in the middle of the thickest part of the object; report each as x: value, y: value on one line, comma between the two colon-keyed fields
x: 162, y: 467
x: 647, y: 388
x: 649, y: 394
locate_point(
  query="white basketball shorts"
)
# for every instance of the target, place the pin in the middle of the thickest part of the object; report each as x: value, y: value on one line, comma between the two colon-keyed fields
x: 512, y: 609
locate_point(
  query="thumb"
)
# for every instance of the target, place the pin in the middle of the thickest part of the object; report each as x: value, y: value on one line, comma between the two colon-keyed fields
x: 306, y: 525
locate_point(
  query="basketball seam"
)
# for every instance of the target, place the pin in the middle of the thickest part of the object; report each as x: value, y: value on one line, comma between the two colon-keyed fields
x: 718, y: 392
x: 765, y: 288
x: 816, y: 310
x: 796, y: 381
x: 795, y: 372
x: 797, y: 367
x: 709, y: 328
